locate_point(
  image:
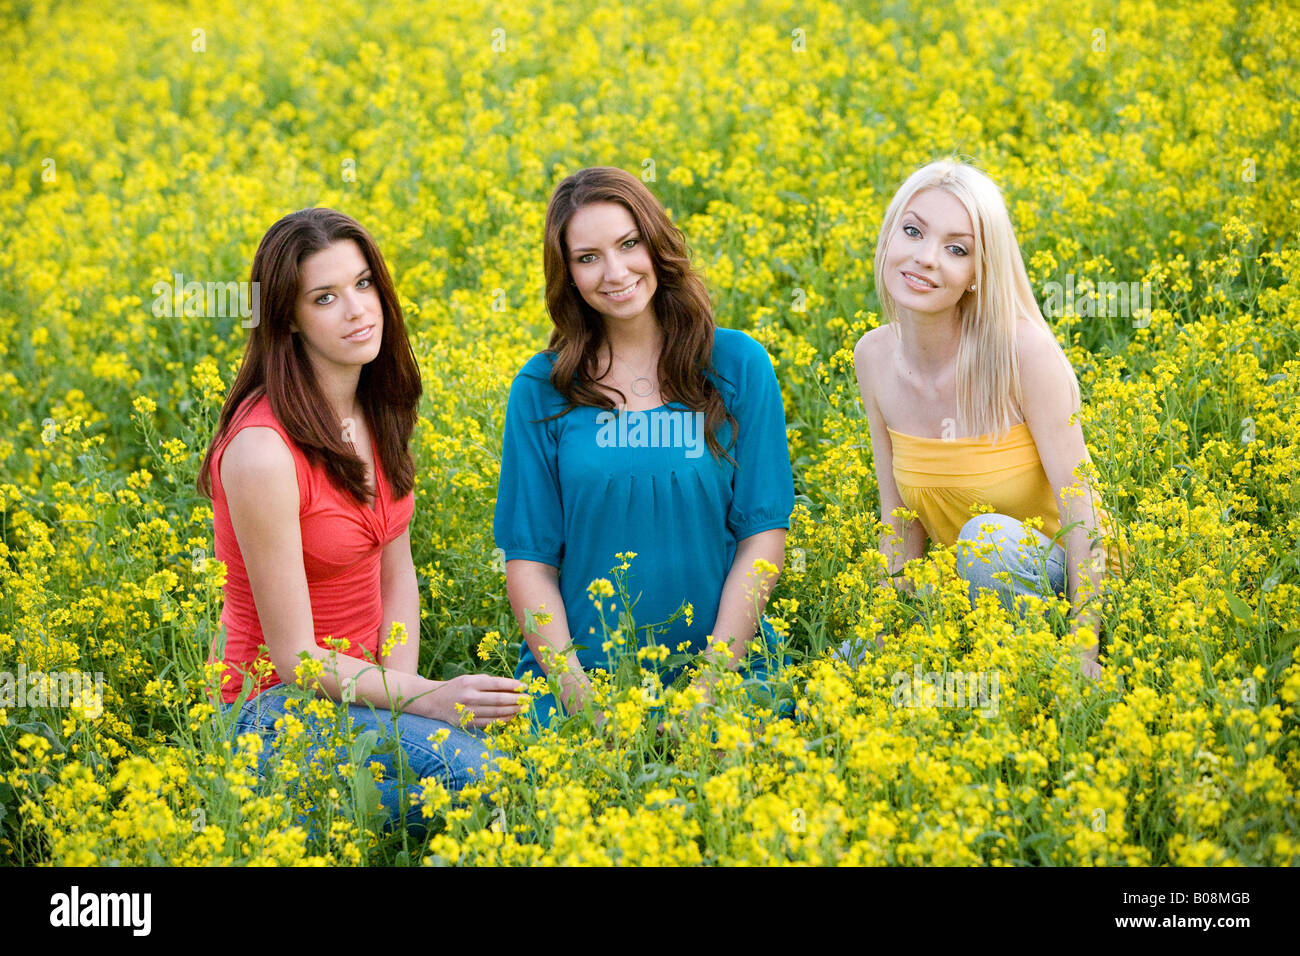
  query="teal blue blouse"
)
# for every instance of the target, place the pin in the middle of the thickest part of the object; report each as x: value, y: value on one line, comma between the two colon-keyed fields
x: 578, y: 489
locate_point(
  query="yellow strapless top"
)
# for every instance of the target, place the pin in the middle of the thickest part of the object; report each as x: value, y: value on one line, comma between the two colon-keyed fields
x: 942, y: 479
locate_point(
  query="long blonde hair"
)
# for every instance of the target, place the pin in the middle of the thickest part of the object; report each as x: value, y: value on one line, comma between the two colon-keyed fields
x: 988, y: 375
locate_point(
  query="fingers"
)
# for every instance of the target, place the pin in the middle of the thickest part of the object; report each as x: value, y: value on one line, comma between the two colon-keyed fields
x: 487, y: 682
x: 492, y: 700
x: 484, y: 699
x: 485, y: 708
x: 493, y: 710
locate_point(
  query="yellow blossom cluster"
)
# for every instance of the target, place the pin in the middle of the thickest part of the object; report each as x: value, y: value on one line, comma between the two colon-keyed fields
x: 154, y: 151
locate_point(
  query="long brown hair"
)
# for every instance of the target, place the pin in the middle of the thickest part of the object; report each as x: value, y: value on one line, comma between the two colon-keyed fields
x: 681, y: 304
x: 275, y: 364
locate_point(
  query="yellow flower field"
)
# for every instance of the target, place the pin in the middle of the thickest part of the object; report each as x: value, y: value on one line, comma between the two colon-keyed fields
x: 152, y: 148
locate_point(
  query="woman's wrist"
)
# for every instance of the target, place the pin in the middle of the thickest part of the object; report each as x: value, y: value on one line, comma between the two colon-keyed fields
x: 574, y: 683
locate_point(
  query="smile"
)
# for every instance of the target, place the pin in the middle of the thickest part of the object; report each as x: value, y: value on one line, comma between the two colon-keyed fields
x: 620, y: 295
x: 918, y: 282
x: 360, y: 335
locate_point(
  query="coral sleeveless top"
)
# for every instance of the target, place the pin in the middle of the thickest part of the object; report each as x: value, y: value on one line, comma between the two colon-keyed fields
x: 941, y: 479
x: 342, y: 544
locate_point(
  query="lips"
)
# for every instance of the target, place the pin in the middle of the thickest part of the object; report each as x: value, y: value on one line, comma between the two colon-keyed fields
x: 622, y: 295
x: 918, y: 281
x: 360, y: 335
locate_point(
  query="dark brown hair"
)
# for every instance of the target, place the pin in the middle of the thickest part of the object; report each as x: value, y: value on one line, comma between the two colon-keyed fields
x: 276, y: 365
x: 681, y: 304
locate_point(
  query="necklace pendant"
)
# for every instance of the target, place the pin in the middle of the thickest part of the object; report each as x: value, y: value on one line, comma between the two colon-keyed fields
x: 642, y: 386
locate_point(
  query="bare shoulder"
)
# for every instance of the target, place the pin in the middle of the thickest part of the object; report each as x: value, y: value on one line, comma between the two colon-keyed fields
x: 872, y: 351
x: 257, y: 459
x: 1036, y: 346
x: 1045, y: 373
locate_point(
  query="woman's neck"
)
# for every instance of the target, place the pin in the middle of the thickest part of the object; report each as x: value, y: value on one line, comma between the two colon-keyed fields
x: 929, y: 341
x: 340, y: 391
x: 638, y: 341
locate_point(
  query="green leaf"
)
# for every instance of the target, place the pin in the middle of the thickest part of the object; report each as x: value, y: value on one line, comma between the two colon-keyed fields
x: 42, y: 730
x: 363, y: 746
x: 1239, y: 609
x: 365, y: 791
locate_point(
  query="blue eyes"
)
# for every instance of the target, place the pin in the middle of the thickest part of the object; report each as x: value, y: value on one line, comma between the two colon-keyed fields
x: 365, y: 283
x: 915, y: 233
x: 589, y: 256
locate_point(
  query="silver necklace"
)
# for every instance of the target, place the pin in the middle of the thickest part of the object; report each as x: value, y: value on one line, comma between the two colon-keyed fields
x: 641, y: 385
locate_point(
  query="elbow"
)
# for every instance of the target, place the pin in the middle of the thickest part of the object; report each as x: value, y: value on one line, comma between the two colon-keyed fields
x: 768, y: 547
x: 288, y: 661
x: 525, y: 579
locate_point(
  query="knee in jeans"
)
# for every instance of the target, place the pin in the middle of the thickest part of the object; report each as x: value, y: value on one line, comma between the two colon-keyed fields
x: 990, y: 527
x: 982, y: 543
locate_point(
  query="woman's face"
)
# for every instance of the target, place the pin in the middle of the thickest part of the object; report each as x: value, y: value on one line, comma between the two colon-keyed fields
x: 338, y: 313
x: 610, y: 263
x: 930, y: 261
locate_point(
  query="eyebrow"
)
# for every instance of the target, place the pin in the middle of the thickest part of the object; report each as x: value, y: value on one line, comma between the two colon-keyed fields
x: 322, y: 288
x: 951, y: 235
x: 626, y: 235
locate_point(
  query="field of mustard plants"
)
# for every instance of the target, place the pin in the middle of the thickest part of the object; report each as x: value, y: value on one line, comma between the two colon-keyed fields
x: 1149, y: 159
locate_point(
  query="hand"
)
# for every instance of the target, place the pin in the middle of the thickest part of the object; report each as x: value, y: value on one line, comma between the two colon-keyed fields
x: 485, y: 698
x: 1087, y: 653
x: 1088, y: 663
x: 574, y: 688
x: 705, y: 689
x: 673, y: 732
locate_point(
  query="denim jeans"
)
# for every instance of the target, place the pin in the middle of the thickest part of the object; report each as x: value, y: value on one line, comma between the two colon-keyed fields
x: 756, y: 667
x: 995, y: 544
x: 992, y: 554
x: 457, y: 762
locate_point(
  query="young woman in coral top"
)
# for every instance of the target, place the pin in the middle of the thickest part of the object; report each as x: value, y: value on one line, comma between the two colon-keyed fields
x: 311, y: 479
x: 971, y: 402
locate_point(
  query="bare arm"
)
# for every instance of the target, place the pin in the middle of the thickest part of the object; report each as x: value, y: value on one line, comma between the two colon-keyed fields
x: 400, y: 592
x: 745, y: 592
x: 261, y: 485
x: 532, y: 585
x: 905, y: 539
x: 1053, y: 422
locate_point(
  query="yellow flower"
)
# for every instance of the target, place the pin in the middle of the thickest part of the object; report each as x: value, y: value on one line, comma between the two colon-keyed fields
x: 397, y: 636
x: 491, y: 641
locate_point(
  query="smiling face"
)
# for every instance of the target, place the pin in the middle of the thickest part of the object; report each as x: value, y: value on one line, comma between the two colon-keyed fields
x: 930, y: 263
x: 338, y: 313
x: 610, y: 262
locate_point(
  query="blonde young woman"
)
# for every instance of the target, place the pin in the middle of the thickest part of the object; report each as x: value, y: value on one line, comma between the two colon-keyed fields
x: 972, y: 402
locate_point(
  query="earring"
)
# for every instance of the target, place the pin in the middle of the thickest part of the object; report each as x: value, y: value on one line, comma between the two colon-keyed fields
x: 972, y: 288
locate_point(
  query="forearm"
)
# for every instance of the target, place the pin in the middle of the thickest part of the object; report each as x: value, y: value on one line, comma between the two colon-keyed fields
x: 745, y: 593
x: 537, y: 590
x: 401, y: 601
x: 903, y: 541
x: 351, y: 680
x: 1085, y: 565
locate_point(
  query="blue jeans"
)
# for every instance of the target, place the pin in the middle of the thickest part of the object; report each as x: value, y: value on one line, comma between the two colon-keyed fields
x: 756, y: 667
x: 992, y: 554
x: 994, y: 544
x: 457, y: 762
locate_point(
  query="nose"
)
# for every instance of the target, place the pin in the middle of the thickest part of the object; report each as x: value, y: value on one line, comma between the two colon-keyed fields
x: 925, y: 253
x: 616, y: 271
x: 354, y: 301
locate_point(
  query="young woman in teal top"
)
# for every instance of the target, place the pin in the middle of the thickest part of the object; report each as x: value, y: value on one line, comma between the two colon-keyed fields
x: 642, y: 428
